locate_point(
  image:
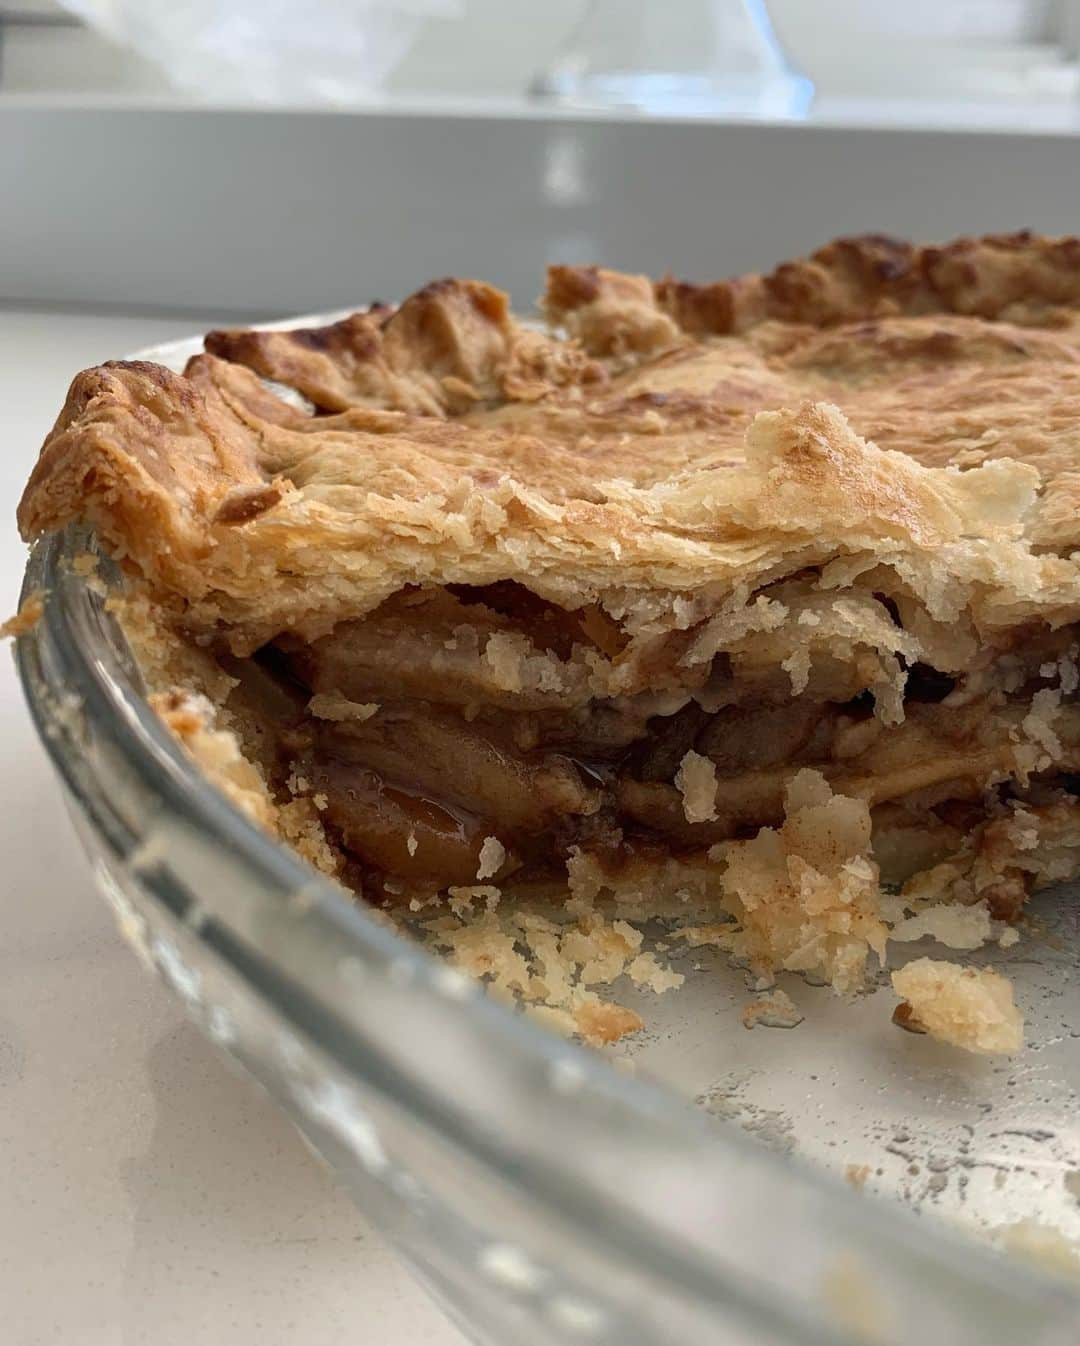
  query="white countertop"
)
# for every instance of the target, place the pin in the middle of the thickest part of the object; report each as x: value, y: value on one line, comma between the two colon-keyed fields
x: 148, y: 1194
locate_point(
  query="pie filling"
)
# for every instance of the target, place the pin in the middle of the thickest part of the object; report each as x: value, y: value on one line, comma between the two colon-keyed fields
x: 467, y: 735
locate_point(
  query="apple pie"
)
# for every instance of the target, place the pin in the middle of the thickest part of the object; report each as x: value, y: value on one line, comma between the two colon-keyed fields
x: 752, y: 603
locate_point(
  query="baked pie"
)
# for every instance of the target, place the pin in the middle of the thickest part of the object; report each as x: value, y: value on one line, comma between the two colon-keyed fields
x: 735, y: 600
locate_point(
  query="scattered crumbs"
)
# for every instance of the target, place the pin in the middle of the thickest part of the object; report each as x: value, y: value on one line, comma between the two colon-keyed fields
x: 320, y: 801
x: 647, y: 970
x: 1008, y: 937
x: 967, y: 1007
x: 857, y: 1174
x: 27, y: 617
x: 411, y: 842
x: 952, y: 924
x: 86, y: 563
x: 775, y: 1010
x: 462, y: 899
x: 547, y: 967
x: 600, y: 1023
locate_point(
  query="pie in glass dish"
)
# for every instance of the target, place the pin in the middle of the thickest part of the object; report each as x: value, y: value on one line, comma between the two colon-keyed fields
x: 751, y: 606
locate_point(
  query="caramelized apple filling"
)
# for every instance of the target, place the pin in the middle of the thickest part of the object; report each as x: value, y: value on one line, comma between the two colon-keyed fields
x: 461, y: 737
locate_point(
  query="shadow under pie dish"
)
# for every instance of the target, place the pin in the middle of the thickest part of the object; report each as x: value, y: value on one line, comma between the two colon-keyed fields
x: 728, y: 604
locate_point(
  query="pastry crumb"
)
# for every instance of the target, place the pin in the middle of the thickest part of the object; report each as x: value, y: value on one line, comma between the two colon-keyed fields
x: 775, y: 1010
x: 492, y: 858
x: 601, y: 1023
x: 29, y: 614
x: 954, y: 925
x: 966, y: 1007
x: 647, y: 970
x: 805, y: 896
x: 86, y: 563
x: 857, y: 1174
x: 696, y: 780
x: 191, y: 718
x: 462, y: 899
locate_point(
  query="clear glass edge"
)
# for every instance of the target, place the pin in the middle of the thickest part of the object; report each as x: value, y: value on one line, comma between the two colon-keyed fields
x: 55, y: 661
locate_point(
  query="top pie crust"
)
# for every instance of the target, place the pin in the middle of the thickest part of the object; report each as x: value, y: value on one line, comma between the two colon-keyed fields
x: 672, y: 447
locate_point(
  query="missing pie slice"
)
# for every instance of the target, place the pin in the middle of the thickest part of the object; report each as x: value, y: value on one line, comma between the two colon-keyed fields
x: 727, y: 600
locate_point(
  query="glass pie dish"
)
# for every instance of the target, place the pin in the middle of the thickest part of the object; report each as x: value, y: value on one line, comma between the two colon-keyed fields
x: 542, y: 1195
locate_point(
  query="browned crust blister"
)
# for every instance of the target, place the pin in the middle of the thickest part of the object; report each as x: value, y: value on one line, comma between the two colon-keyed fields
x: 619, y: 462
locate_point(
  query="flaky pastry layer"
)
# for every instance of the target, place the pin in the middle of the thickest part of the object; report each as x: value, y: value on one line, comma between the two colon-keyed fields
x: 676, y: 444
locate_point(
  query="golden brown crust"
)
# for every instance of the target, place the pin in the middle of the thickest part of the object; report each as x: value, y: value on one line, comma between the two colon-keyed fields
x: 448, y: 346
x: 147, y: 458
x: 1022, y: 277
x: 622, y: 465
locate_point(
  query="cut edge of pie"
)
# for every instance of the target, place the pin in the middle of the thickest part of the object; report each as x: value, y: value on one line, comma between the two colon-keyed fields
x: 722, y: 603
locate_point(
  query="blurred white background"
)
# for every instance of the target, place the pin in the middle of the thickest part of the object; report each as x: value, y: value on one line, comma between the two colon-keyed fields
x: 851, y: 49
